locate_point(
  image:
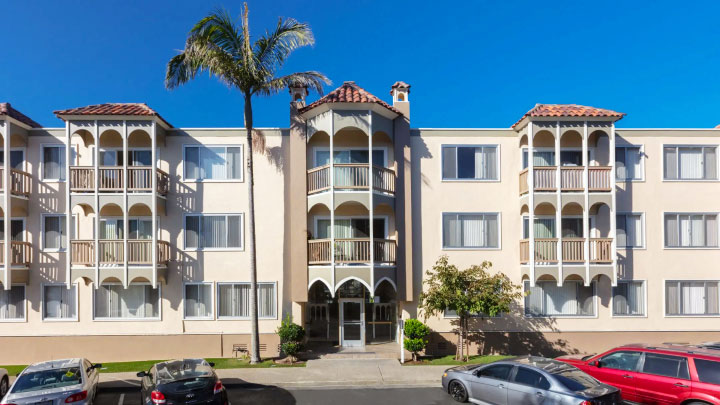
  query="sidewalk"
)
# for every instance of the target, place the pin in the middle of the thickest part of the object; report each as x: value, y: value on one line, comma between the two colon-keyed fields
x: 320, y: 373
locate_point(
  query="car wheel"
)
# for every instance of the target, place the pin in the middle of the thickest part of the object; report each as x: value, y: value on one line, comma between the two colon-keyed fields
x: 457, y: 391
x: 4, y: 387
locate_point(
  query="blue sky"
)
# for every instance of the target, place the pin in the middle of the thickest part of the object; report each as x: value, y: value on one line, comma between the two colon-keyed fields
x: 470, y: 64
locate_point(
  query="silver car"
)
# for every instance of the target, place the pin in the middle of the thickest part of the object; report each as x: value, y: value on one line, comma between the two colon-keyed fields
x: 69, y: 381
x: 527, y: 380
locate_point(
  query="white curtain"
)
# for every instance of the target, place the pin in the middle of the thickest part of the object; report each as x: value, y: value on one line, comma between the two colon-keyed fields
x: 343, y: 229
x: 672, y: 236
x: 710, y: 162
x: 543, y: 158
x: 213, y: 232
x: 544, y: 227
x: 234, y: 163
x: 472, y: 231
x: 212, y: 163
x: 672, y: 298
x: 693, y: 298
x: 111, y: 229
x: 670, y: 157
x: 198, y: 302
x: 534, y: 299
x: 691, y: 163
x: 234, y: 300
x: 266, y: 300
x: 192, y: 163
x: 135, y: 302
x: 570, y: 299
x: 59, y: 302
x: 54, y: 162
x: 140, y: 228
x: 192, y: 231
x: 711, y: 231
x: 451, y: 231
x: 629, y: 230
x: 12, y: 303
x: 629, y: 298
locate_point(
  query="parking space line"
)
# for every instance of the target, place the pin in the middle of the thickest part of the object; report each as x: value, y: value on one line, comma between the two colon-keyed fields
x: 122, y: 399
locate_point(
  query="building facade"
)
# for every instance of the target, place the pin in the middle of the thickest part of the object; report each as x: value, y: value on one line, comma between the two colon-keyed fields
x: 132, y: 242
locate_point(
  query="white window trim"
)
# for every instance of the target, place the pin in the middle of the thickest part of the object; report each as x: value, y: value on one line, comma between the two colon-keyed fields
x: 243, y: 318
x: 158, y: 318
x: 678, y: 180
x: 212, y: 301
x: 317, y: 149
x: 24, y: 304
x: 221, y: 249
x: 450, y: 180
x: 442, y: 231
x: 327, y: 217
x: 642, y: 163
x: 664, y: 299
x: 200, y: 145
x: 77, y: 302
x: 642, y: 229
x: 662, y: 226
x: 41, y: 175
x: 594, y: 286
x: 645, y: 300
x: 42, y: 233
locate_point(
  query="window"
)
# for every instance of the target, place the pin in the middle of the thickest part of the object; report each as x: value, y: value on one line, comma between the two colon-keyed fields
x: 17, y: 159
x: 322, y: 157
x: 690, y: 162
x: 234, y: 300
x: 498, y: 372
x: 54, y: 231
x: 532, y: 378
x: 140, y: 228
x: 572, y: 227
x: 664, y: 365
x: 570, y: 299
x: 198, y: 301
x: 622, y: 360
x: 213, y: 231
x: 59, y: 302
x: 629, y: 298
x: 541, y: 158
x: 471, y: 231
x: 351, y: 228
x: 545, y: 227
x: 691, y: 298
x: 17, y: 229
x: 213, y: 163
x: 140, y: 157
x: 630, y: 231
x: 137, y: 301
x: 574, y: 380
x: 470, y: 162
x: 708, y: 371
x: 628, y: 163
x: 12, y: 303
x: 691, y: 230
x: 53, y: 162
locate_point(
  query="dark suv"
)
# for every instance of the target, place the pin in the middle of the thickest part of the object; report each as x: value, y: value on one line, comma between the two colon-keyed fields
x: 657, y: 374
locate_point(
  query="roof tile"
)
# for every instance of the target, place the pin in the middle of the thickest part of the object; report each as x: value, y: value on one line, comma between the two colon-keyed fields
x: 138, y: 109
x: 349, y: 92
x: 7, y: 109
x: 568, y: 110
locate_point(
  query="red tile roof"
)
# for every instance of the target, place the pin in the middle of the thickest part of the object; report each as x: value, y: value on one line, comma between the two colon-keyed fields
x: 139, y: 109
x: 7, y: 109
x: 568, y: 110
x: 400, y: 85
x: 349, y: 92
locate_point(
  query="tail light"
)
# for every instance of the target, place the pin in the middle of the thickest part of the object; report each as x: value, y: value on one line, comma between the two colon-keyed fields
x: 157, y: 397
x: 218, y: 387
x: 585, y: 403
x: 80, y: 396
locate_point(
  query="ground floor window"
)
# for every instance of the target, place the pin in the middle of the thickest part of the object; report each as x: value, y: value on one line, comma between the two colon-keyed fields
x: 234, y: 300
x: 12, y: 303
x: 629, y: 298
x: 59, y: 302
x: 572, y: 298
x: 137, y: 301
x: 198, y: 301
x: 692, y: 298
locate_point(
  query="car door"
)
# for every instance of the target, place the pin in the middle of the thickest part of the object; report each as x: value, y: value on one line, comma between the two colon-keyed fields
x: 664, y: 379
x: 92, y: 378
x: 528, y: 387
x: 147, y: 386
x: 489, y: 384
x: 619, y: 369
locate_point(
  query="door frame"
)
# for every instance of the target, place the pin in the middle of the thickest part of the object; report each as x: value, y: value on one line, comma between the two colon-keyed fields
x: 352, y: 343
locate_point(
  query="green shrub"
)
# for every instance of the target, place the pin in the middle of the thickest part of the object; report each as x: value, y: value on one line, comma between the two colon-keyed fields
x: 292, y: 336
x: 415, y: 340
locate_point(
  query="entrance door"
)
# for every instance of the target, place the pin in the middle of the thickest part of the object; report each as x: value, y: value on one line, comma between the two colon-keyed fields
x: 352, y: 322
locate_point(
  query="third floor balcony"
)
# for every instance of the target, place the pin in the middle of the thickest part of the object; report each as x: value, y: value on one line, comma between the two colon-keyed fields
x: 111, y: 179
x: 571, y: 179
x: 351, y: 176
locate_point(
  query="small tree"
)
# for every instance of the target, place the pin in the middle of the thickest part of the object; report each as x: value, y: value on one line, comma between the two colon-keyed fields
x: 415, y: 340
x: 292, y: 336
x: 467, y: 292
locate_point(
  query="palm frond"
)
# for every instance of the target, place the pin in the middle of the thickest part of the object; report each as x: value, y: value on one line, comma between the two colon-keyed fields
x: 310, y: 79
x: 273, y: 48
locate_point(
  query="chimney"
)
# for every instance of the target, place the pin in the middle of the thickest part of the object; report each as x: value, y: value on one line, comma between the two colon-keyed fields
x: 400, y: 92
x: 298, y: 92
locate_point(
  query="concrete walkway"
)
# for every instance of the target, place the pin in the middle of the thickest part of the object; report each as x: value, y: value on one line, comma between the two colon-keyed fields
x: 320, y: 373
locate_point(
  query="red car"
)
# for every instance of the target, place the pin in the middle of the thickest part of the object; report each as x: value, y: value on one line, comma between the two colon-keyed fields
x: 657, y: 374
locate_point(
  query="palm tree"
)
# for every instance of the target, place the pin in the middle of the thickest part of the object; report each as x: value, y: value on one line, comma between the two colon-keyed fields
x: 224, y: 49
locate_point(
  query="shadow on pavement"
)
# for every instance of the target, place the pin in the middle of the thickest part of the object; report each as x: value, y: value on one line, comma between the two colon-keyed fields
x: 242, y: 392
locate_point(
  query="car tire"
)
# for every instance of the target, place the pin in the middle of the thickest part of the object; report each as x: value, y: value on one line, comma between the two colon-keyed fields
x: 457, y: 391
x: 4, y: 385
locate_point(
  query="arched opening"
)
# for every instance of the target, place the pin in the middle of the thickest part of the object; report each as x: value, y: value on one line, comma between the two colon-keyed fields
x: 401, y: 97
x: 382, y: 313
x: 572, y: 221
x: 383, y: 154
x: 599, y: 143
x: 571, y: 148
x: 321, y: 313
x: 600, y: 220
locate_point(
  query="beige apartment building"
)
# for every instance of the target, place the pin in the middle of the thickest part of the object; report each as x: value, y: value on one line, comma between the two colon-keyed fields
x: 132, y: 242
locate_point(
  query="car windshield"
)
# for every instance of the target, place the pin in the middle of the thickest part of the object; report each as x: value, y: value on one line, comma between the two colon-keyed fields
x: 48, y: 379
x: 177, y: 370
x: 574, y: 379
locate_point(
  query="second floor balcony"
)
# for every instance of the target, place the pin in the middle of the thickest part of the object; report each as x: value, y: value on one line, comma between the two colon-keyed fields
x: 351, y: 176
x: 20, y: 252
x: 351, y: 251
x: 573, y: 250
x: 571, y: 179
x: 19, y: 182
x: 111, y: 179
x: 112, y: 252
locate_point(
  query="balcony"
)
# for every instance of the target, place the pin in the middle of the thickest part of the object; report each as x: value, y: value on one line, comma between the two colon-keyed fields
x: 351, y: 176
x: 112, y: 252
x: 82, y: 179
x: 350, y: 251
x: 21, y: 253
x: 573, y: 250
x: 571, y: 179
x: 19, y: 182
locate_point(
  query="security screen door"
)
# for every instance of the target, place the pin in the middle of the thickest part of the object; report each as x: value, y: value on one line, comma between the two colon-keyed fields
x: 352, y: 322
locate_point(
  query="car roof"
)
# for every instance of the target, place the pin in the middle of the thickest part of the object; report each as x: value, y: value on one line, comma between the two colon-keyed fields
x: 543, y: 363
x: 172, y: 370
x: 675, y: 348
x: 51, y: 364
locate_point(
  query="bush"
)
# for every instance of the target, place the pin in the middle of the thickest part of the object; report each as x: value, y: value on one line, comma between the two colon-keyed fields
x: 415, y: 340
x: 292, y: 336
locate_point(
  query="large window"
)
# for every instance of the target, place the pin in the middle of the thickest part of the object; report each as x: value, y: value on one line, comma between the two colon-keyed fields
x: 54, y: 231
x: 137, y: 301
x: 351, y: 228
x: 690, y: 162
x: 53, y: 162
x: 59, y: 302
x: 12, y: 303
x: 630, y: 230
x: 541, y: 158
x: 691, y: 230
x: 471, y: 231
x: 628, y: 163
x: 691, y: 298
x: 470, y: 162
x: 213, y: 231
x: 545, y: 227
x: 570, y: 299
x: 665, y: 365
x: 629, y: 298
x: 198, y: 301
x: 213, y: 163
x: 234, y: 300
x: 358, y: 155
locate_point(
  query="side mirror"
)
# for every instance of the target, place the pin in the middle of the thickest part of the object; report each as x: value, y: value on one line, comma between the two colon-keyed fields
x: 211, y: 364
x: 595, y: 363
x: 141, y: 374
x: 98, y: 365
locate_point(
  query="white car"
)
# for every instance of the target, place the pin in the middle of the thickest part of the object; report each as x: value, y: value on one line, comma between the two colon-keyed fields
x: 69, y: 381
x: 4, y: 382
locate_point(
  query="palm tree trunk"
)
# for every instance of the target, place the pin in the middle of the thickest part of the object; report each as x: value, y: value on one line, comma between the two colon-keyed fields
x: 254, y: 334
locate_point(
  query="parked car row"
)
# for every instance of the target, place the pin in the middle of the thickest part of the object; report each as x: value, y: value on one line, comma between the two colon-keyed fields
x: 673, y: 374
x: 75, y: 381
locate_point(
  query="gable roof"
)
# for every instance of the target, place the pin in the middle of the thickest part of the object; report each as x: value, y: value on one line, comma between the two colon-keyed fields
x: 349, y: 92
x: 568, y: 110
x: 7, y: 109
x: 137, y: 109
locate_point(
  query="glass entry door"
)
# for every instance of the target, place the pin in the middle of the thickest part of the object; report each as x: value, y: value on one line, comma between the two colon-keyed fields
x: 352, y: 322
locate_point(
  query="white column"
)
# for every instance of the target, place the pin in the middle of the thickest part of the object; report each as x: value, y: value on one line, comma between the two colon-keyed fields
x: 531, y: 202
x: 371, y: 183
x: 332, y: 202
x: 586, y: 207
x: 153, y: 194
x: 612, y: 210
x: 558, y: 206
x: 126, y: 227
x: 7, y: 283
x: 96, y: 163
x: 68, y: 208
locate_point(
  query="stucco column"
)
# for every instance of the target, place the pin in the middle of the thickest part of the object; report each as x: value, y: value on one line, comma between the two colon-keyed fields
x: 531, y: 208
x: 7, y: 180
x: 153, y: 194
x: 68, y: 208
x: 586, y: 205
x: 558, y: 205
x: 613, y: 208
x: 371, y: 186
x: 125, y: 184
x: 332, y: 203
x: 96, y: 163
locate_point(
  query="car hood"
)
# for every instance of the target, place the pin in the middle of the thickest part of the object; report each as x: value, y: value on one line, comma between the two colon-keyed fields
x: 48, y: 393
x: 573, y: 358
x: 463, y: 369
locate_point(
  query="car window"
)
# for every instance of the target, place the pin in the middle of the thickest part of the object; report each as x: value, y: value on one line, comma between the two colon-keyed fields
x: 47, y: 379
x: 498, y: 372
x: 532, y: 378
x: 574, y: 379
x: 621, y: 360
x: 87, y: 366
x: 668, y: 366
x: 708, y: 371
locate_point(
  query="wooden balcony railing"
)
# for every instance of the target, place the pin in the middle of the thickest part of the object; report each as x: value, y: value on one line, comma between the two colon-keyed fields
x: 111, y: 252
x: 571, y: 178
x: 573, y: 250
x: 20, y: 252
x: 351, y: 251
x: 19, y: 181
x: 599, y: 178
x: 351, y: 176
x: 600, y: 250
x: 82, y: 179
